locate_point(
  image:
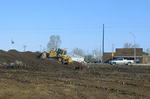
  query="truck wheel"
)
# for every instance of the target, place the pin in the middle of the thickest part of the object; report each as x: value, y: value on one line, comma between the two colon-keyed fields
x: 114, y: 63
x: 60, y: 59
x: 129, y: 63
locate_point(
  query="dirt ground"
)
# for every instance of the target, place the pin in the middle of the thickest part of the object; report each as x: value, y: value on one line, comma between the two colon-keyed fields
x: 24, y: 76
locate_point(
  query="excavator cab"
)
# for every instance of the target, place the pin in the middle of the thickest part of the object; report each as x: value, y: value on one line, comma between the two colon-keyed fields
x: 63, y: 57
x: 61, y: 52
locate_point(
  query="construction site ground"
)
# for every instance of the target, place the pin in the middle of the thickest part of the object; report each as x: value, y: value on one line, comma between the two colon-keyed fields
x: 24, y: 76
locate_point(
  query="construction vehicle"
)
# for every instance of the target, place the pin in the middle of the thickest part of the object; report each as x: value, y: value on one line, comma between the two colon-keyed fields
x: 58, y: 54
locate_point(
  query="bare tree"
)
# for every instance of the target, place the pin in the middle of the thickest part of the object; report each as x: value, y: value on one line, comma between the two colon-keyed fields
x: 88, y: 58
x: 97, y: 54
x: 54, y: 42
x: 24, y: 48
x: 129, y: 45
x: 78, y: 51
x: 135, y: 46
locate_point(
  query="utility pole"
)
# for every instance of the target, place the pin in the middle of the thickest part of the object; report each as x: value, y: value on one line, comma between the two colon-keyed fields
x: 134, y: 38
x: 103, y: 44
x: 134, y: 49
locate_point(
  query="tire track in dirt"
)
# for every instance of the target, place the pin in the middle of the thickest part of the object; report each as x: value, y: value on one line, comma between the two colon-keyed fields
x: 106, y: 89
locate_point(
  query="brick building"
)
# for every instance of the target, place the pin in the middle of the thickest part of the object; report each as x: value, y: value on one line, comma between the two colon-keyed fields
x: 128, y: 53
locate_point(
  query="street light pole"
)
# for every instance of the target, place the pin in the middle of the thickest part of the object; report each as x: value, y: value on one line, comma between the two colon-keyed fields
x: 134, y: 51
x: 134, y: 38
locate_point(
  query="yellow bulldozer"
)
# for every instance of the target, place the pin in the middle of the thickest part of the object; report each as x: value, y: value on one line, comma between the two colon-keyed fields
x: 58, y: 54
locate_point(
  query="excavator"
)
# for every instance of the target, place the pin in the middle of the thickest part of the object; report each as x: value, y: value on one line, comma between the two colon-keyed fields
x: 58, y: 54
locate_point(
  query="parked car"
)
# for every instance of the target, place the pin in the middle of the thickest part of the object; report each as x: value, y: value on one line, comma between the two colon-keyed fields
x: 121, y: 61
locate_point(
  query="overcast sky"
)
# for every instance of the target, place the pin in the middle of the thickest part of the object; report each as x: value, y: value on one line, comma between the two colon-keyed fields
x: 78, y: 22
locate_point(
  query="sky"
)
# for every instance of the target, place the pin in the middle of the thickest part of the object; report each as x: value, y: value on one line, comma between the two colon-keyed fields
x: 78, y: 22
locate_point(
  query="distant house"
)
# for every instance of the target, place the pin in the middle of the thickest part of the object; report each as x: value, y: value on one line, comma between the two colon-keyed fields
x: 128, y: 53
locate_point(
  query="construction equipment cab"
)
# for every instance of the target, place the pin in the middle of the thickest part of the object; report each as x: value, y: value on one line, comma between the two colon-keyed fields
x: 58, y: 54
x: 63, y: 57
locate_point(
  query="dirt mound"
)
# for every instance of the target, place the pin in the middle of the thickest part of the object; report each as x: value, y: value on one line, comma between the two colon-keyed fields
x: 31, y: 60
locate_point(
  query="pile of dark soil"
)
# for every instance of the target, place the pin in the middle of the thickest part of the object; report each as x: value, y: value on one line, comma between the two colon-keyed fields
x: 31, y: 60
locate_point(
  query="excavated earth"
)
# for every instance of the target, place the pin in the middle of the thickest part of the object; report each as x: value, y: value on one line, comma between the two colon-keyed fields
x: 23, y: 75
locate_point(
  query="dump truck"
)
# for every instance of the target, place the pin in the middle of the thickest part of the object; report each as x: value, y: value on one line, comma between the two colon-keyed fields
x: 58, y: 54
